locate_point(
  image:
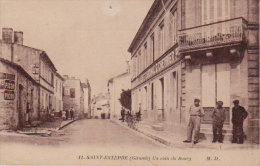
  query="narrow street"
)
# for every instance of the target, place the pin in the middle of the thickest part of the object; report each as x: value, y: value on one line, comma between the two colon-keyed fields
x: 82, y: 141
x: 104, y: 134
x: 83, y: 137
x: 89, y: 132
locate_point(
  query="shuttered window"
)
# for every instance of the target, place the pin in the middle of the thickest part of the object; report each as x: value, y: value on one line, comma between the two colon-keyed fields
x: 223, y: 83
x: 215, y: 10
x: 208, y: 85
x: 215, y: 80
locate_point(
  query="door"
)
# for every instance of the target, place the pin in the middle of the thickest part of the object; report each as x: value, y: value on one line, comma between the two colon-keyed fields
x: 161, y: 98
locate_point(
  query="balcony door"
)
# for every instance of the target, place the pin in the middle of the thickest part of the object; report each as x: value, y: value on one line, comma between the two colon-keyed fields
x: 215, y: 86
x: 215, y: 10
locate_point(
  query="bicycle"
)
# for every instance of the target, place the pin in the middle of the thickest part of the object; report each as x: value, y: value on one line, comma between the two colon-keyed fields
x: 131, y: 121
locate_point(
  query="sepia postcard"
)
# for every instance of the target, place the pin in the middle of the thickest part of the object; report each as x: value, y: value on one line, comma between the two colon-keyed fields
x: 129, y: 82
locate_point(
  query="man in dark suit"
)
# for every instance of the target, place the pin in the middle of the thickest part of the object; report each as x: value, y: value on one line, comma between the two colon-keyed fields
x: 238, y: 115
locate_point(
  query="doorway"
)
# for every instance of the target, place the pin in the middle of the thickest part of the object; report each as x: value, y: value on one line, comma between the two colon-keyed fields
x: 162, y: 98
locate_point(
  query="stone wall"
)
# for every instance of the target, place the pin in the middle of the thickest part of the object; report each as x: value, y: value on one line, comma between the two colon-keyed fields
x: 27, y: 58
x: 8, y: 113
x: 12, y: 114
x: 75, y: 102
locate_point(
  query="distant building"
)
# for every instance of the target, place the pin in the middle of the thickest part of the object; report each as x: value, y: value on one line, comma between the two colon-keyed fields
x: 100, y: 105
x: 115, y: 86
x: 206, y: 49
x: 87, y: 99
x: 73, y: 96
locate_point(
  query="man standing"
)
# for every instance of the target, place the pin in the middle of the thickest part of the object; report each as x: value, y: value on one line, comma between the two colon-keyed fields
x: 67, y: 114
x: 72, y: 113
x: 196, y: 112
x: 123, y: 114
x: 218, y: 117
x: 238, y: 115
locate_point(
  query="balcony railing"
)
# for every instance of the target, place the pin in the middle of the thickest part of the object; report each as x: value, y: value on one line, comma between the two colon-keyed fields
x: 210, y: 35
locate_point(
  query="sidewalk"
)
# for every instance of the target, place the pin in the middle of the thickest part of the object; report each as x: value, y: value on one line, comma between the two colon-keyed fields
x: 46, y: 128
x: 174, y: 137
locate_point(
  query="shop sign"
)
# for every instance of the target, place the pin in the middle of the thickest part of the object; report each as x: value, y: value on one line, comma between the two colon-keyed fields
x: 159, y: 66
x: 7, y: 76
x: 9, y: 95
x: 7, y: 83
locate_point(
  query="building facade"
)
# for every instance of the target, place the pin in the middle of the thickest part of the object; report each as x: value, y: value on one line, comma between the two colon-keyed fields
x: 38, y: 70
x: 115, y: 86
x: 100, y: 105
x: 18, y: 96
x: 58, y: 93
x: 87, y: 99
x: 38, y: 64
x: 73, y: 96
x: 206, y: 49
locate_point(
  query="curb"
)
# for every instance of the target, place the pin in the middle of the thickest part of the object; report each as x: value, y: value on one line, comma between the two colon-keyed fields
x: 61, y: 127
x: 142, y: 134
x: 147, y: 134
x: 191, y: 145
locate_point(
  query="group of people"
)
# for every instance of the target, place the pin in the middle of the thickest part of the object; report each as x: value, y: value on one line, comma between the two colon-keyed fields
x: 128, y: 113
x: 218, y: 118
x: 69, y: 113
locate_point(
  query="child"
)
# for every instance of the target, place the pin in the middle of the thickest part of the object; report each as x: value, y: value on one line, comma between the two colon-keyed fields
x: 218, y: 117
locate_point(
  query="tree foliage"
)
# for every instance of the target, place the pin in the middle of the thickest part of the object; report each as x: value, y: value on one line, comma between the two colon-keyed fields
x: 125, y: 98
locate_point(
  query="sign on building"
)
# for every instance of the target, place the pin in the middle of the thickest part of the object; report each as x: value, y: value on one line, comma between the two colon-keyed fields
x: 7, y: 83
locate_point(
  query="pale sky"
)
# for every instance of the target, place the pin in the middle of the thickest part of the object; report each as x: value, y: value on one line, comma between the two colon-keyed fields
x: 83, y: 38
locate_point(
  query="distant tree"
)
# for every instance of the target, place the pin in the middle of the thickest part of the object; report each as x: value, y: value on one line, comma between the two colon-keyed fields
x: 125, y: 98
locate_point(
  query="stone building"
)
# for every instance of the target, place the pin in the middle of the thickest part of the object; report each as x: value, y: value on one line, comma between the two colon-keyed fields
x: 207, y: 49
x: 73, y: 96
x: 58, y: 93
x: 18, y: 96
x: 100, y: 105
x: 87, y: 98
x: 38, y: 67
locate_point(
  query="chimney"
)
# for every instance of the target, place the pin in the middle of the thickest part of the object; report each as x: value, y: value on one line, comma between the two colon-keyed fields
x: 7, y: 35
x: 18, y: 37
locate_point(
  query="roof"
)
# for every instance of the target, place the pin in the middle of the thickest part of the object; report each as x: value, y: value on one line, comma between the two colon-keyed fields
x: 120, y: 75
x: 146, y: 22
x: 18, y: 67
x: 44, y: 54
x: 58, y: 75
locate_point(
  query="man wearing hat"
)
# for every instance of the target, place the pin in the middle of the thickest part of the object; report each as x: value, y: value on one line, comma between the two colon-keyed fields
x: 218, y: 117
x: 238, y: 115
x: 196, y: 112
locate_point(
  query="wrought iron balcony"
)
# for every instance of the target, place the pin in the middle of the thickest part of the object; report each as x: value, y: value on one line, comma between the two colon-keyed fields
x: 212, y: 35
